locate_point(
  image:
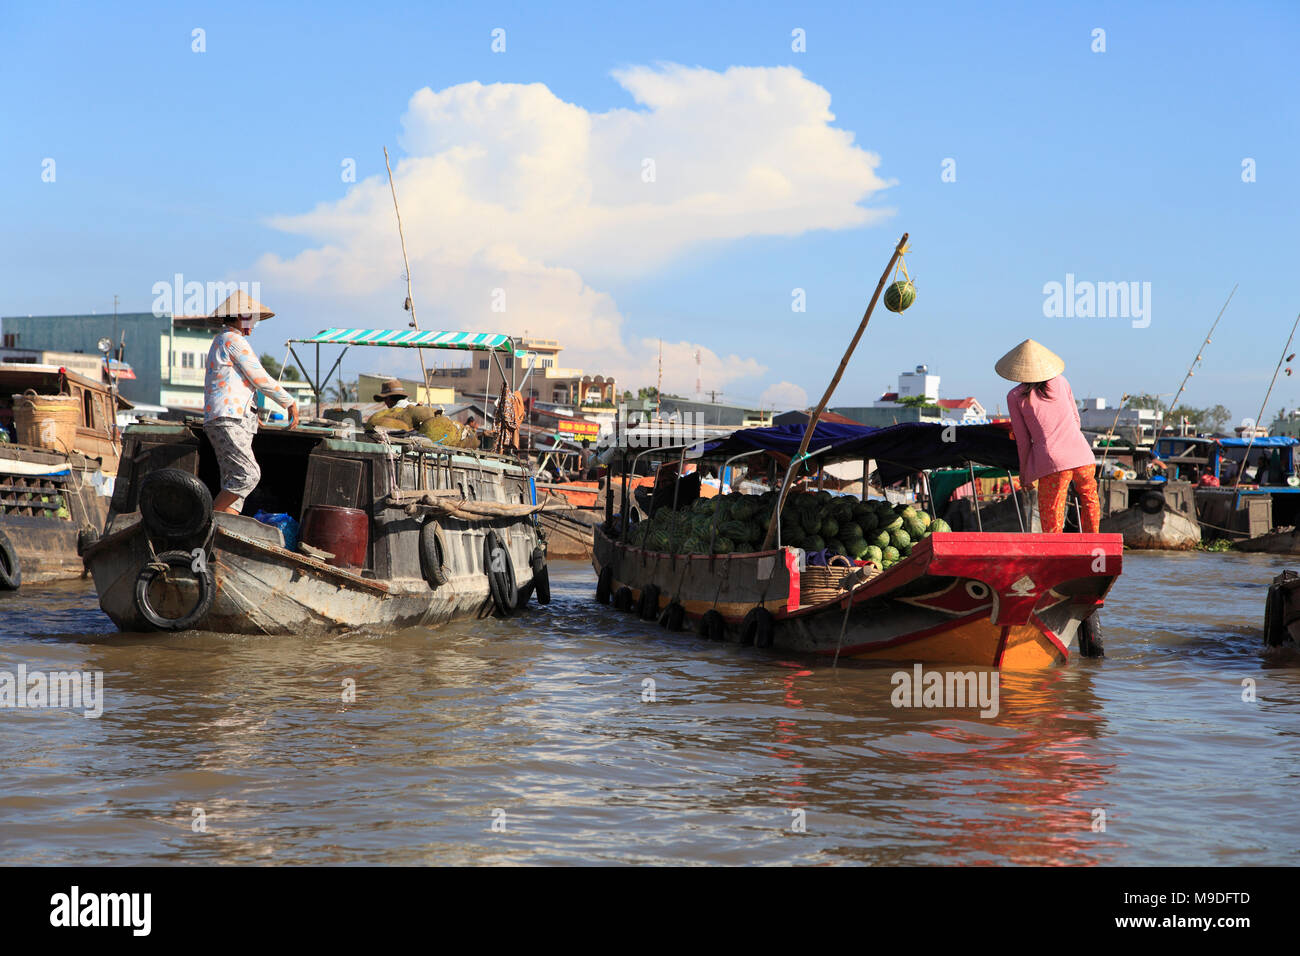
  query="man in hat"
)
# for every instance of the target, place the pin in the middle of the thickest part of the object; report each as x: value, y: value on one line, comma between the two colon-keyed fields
x: 233, y: 379
x: 392, y: 394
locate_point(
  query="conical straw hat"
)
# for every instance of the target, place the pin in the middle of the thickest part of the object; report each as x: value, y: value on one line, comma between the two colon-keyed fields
x: 241, y: 303
x: 1030, y: 362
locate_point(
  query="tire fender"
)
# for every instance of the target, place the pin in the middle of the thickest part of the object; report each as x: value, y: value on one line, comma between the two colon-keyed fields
x: 757, y: 628
x: 501, y: 575
x: 433, y: 555
x: 182, y: 561
x: 174, y: 504
x: 11, y: 570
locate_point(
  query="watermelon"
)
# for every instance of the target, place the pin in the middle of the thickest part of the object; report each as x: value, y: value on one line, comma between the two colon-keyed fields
x: 900, y: 295
x: 924, y: 518
x: 736, y: 530
x: 723, y: 545
x: 856, y: 548
x: 900, y: 539
x: 824, y: 497
x: 830, y: 528
x: 907, y: 511
x: 867, y: 522
x: 892, y: 525
x: 890, y: 555
x: 657, y: 539
x: 938, y: 524
x: 881, y: 540
x: 835, y: 547
x: 810, y: 521
x: 874, y: 554
x: 814, y: 542
x: 914, y: 527
x: 850, y: 530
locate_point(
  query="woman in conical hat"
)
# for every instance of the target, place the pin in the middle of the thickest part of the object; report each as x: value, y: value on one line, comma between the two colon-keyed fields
x: 1053, y: 450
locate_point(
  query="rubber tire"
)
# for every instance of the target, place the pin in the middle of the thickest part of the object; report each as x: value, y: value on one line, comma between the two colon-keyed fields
x: 1151, y: 502
x: 757, y: 628
x: 433, y: 555
x: 207, y: 593
x: 11, y: 569
x: 673, y: 617
x: 712, y: 627
x: 174, y: 504
x: 648, y: 607
x: 525, y: 593
x: 501, y: 583
x: 1090, y: 639
x: 623, y: 599
x: 541, y: 576
x: 604, y: 584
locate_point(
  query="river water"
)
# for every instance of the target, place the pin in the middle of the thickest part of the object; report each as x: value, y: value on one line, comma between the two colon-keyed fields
x: 533, y: 741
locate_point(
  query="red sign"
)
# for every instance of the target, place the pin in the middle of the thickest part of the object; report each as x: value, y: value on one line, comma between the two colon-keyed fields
x: 572, y: 426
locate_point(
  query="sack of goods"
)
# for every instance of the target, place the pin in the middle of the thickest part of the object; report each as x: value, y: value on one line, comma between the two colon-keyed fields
x: 814, y: 521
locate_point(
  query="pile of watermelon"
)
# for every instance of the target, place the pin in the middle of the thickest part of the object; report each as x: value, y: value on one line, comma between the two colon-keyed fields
x: 812, y: 520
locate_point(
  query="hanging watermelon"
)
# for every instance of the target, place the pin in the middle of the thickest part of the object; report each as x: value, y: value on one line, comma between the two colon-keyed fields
x: 900, y: 295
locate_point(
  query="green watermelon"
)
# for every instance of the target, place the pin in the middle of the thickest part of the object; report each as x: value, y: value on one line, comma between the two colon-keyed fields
x: 849, y: 530
x: 890, y: 555
x: 830, y: 528
x: 900, y: 539
x: 938, y: 524
x: 723, y: 545
x: 924, y: 518
x: 914, y: 527
x: 874, y: 554
x: 810, y: 521
x: 907, y: 511
x: 900, y: 295
x: 893, y: 524
x: 856, y: 547
x: 881, y: 540
x: 867, y: 522
x: 814, y: 542
x: 736, y: 530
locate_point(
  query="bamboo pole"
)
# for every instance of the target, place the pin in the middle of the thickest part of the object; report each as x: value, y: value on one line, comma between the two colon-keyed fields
x: 1246, y: 456
x: 835, y: 380
x: 1178, y: 394
x: 410, y: 300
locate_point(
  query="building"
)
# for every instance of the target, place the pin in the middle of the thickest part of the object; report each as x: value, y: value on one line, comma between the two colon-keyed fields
x: 1142, y: 424
x: 166, y: 353
x: 966, y: 411
x: 675, y: 408
x: 1286, y: 424
x: 537, y: 374
x: 883, y: 414
x: 918, y: 384
x: 91, y: 366
x: 801, y: 418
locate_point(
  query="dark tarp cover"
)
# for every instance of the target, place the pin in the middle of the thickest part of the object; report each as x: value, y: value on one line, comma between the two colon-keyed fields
x: 898, y: 450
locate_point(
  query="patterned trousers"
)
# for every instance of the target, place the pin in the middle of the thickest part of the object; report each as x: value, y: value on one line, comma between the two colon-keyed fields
x: 1052, y: 491
x: 232, y: 440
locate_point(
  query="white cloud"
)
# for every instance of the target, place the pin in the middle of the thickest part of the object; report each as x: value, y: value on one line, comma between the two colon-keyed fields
x: 784, y: 397
x: 506, y: 186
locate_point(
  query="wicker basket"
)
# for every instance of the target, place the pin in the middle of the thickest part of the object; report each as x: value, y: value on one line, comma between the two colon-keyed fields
x: 821, y: 583
x: 46, y: 421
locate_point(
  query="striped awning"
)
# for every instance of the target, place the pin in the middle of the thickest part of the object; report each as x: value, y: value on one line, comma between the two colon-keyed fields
x: 413, y: 339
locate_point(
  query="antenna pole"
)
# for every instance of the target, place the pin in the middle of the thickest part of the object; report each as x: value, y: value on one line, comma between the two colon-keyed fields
x: 410, y: 301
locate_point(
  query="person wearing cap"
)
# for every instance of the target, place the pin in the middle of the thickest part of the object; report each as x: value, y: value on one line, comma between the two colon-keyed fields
x: 1053, y: 450
x: 233, y: 378
x: 392, y: 394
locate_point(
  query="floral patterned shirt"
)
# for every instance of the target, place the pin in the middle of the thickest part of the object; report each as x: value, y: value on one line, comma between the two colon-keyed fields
x: 233, y: 375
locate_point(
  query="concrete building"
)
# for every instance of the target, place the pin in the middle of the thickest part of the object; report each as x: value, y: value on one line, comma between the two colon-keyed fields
x: 884, y: 414
x: 168, y: 354
x: 711, y: 413
x: 538, y: 375
x: 919, y: 383
x: 1140, y: 423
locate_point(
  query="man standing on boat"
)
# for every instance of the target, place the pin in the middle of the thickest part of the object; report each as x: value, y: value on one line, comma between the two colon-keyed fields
x: 393, y: 394
x: 234, y: 377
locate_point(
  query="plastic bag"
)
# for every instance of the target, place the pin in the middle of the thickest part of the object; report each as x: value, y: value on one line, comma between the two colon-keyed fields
x: 287, y: 525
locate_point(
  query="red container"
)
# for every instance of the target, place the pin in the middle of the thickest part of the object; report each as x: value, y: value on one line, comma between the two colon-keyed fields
x: 343, y: 532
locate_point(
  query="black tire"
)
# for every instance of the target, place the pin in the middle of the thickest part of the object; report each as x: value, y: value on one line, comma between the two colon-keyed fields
x: 757, y: 628
x: 1090, y: 640
x: 86, y: 538
x: 1151, y: 502
x: 525, y: 593
x: 623, y: 599
x: 174, y: 504
x: 501, y: 575
x: 673, y: 617
x: 433, y: 555
x: 1275, y: 634
x: 648, y: 607
x: 541, y: 576
x: 11, y: 570
x: 604, y: 584
x: 712, y: 626
x: 184, y: 561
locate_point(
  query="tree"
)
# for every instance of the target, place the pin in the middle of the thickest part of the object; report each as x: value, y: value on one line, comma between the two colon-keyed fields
x: 1216, y: 418
x: 916, y: 401
x: 1144, y: 401
x: 273, y: 369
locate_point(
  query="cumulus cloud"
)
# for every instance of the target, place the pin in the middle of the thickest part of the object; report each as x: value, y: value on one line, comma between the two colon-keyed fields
x: 784, y: 396
x: 512, y: 196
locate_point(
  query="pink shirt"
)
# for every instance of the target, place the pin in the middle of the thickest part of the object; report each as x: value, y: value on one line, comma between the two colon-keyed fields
x: 1048, y: 436
x: 233, y: 375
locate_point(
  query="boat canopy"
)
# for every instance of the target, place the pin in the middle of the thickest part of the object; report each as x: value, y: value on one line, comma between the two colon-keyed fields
x: 415, y: 339
x: 898, y: 450
x: 1268, y: 441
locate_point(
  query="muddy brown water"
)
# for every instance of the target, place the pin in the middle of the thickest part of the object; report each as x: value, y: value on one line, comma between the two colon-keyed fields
x: 531, y: 741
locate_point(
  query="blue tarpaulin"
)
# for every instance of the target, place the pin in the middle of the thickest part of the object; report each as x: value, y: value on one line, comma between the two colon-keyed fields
x: 898, y: 450
x: 1268, y: 441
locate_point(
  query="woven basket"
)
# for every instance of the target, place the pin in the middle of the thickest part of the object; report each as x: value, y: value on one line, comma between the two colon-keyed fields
x: 820, y: 583
x: 46, y: 421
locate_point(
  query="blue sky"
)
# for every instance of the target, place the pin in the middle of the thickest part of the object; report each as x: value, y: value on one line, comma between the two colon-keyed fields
x: 1117, y: 166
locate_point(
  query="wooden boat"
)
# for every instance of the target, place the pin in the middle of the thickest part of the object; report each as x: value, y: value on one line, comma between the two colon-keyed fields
x: 1282, y: 611
x: 419, y: 533
x: 984, y: 599
x: 56, y: 477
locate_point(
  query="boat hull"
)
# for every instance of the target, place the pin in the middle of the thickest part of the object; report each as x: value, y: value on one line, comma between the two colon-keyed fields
x: 984, y: 599
x: 262, y: 588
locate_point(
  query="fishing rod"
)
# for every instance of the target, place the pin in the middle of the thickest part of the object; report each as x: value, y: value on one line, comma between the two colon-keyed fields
x: 1201, y: 351
x: 1241, y: 470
